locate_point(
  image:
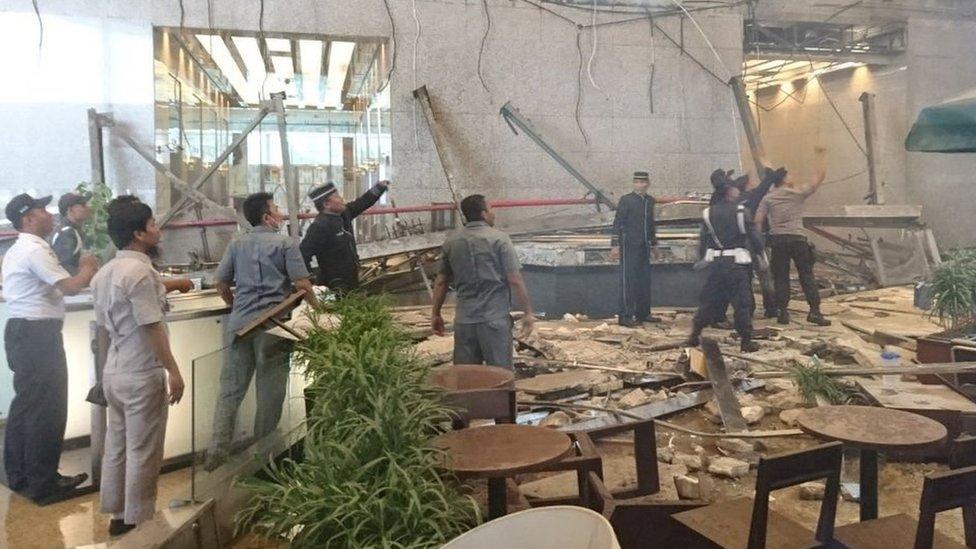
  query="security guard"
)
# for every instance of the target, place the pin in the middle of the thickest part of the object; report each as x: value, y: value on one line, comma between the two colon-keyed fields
x: 69, y: 240
x: 728, y: 242
x: 330, y: 240
x: 34, y: 286
x: 634, y: 236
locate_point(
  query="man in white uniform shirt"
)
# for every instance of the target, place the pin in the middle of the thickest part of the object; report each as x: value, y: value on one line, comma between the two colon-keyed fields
x: 34, y: 286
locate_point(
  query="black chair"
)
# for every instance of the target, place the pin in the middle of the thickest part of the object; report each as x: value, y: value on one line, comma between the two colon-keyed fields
x: 945, y: 491
x: 962, y: 452
x: 744, y: 522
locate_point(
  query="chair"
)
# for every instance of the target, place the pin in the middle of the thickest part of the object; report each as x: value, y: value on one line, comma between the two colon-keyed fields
x: 962, y: 452
x: 940, y: 492
x: 724, y: 524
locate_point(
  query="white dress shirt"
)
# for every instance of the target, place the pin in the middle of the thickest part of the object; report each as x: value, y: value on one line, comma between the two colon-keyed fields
x: 30, y: 271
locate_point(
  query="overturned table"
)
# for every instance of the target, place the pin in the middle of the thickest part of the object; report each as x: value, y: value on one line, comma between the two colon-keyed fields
x: 871, y: 430
x: 497, y: 452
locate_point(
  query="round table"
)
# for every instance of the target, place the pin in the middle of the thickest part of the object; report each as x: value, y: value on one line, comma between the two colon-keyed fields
x: 469, y: 377
x: 871, y: 430
x: 497, y: 452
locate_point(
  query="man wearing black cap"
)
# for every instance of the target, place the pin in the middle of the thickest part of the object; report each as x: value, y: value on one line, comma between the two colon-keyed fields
x: 68, y: 239
x: 330, y: 240
x: 34, y: 286
x: 729, y: 241
x: 633, y: 238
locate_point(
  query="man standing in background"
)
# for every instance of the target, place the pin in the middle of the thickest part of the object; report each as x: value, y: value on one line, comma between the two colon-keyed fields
x: 634, y: 237
x: 783, y: 207
x: 34, y: 286
x: 482, y: 264
x: 330, y: 241
x: 69, y: 240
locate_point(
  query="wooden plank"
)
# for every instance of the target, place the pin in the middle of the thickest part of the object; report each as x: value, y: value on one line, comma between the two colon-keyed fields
x: 289, y: 302
x: 728, y: 405
x: 912, y: 395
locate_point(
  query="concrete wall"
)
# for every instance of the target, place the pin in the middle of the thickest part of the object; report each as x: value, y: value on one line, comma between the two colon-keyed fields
x: 530, y: 59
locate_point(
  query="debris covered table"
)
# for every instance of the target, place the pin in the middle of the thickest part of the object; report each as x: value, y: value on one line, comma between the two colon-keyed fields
x: 871, y: 430
x: 477, y: 391
x: 497, y: 452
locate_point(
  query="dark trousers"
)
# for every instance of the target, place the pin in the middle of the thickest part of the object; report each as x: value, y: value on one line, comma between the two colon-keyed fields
x: 635, y: 282
x: 484, y: 343
x: 766, y: 287
x: 34, y: 434
x: 727, y: 282
x: 786, y: 248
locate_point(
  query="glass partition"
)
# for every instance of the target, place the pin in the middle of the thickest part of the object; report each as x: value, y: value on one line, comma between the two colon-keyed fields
x: 214, y: 464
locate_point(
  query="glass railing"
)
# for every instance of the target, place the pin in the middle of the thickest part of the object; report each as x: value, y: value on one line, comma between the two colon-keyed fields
x: 227, y: 441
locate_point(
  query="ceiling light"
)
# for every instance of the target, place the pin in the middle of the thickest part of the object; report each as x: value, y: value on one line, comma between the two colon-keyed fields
x: 215, y: 46
x: 340, y: 55
x: 311, y: 56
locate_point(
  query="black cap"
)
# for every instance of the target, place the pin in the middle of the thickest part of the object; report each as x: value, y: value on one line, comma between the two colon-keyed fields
x: 719, y: 178
x: 642, y: 175
x: 21, y: 204
x: 322, y: 191
x: 70, y: 199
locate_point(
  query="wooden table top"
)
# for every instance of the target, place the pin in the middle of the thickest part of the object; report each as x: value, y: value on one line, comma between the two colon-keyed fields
x: 872, y: 428
x: 469, y: 377
x: 502, y: 450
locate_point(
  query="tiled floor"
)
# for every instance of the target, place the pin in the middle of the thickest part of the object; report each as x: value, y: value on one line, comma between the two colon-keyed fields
x: 70, y: 523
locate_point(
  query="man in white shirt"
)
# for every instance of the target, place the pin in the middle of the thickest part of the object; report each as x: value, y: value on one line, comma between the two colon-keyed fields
x: 34, y: 286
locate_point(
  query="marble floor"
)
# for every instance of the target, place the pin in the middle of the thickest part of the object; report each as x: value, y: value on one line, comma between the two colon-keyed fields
x: 73, y: 522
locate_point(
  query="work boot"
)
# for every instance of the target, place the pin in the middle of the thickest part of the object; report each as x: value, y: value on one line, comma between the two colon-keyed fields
x: 748, y: 346
x: 693, y: 341
x: 770, y: 313
x: 117, y: 527
x: 722, y: 325
x: 783, y: 317
x: 626, y: 322
x: 649, y: 320
x: 816, y: 318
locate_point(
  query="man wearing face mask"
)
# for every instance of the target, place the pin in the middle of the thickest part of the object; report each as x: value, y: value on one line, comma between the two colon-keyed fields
x: 266, y: 267
x: 330, y: 240
x: 633, y: 240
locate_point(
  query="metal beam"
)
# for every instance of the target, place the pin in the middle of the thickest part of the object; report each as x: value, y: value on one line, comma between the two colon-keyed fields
x: 182, y: 186
x: 875, y: 195
x: 878, y: 59
x: 749, y: 126
x: 439, y: 142
x: 514, y: 118
x: 291, y: 184
x: 95, y: 142
x: 196, y: 185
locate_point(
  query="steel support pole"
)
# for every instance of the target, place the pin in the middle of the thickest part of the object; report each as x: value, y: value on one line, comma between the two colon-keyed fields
x: 95, y: 143
x: 196, y: 185
x: 875, y: 195
x: 756, y: 148
x: 291, y: 183
x: 514, y: 118
x: 439, y: 145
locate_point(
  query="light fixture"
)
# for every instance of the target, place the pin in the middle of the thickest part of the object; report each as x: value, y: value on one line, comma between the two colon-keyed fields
x: 215, y: 46
x: 311, y: 56
x: 340, y: 55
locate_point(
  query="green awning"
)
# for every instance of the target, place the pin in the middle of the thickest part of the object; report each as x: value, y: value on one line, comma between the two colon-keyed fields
x: 948, y: 127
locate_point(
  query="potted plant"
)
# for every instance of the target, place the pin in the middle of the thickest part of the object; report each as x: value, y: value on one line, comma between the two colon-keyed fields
x: 953, y: 288
x: 95, y: 229
x: 369, y: 476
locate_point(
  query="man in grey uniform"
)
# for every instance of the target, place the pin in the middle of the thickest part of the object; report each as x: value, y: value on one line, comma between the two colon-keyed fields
x: 266, y: 267
x: 69, y: 240
x: 141, y: 376
x: 484, y: 268
x: 34, y: 286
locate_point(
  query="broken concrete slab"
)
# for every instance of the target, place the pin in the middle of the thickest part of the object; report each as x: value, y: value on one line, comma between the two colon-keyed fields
x: 728, y: 467
x: 688, y: 487
x: 812, y: 491
x: 543, y: 384
x: 791, y: 416
x: 735, y: 446
x: 753, y: 414
x: 632, y: 399
x: 555, y: 420
x: 665, y: 455
x: 690, y: 461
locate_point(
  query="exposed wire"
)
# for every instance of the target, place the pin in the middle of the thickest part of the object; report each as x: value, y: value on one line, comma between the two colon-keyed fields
x: 484, y: 40
x: 579, y: 87
x: 842, y: 179
x: 416, y: 46
x: 389, y: 74
x: 552, y: 11
x: 650, y: 82
x: 839, y: 117
x: 589, y: 62
x: 263, y: 45
x: 40, y: 27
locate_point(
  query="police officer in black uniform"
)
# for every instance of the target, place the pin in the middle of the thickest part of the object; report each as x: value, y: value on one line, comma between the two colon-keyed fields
x: 728, y: 243
x: 330, y: 240
x: 634, y: 237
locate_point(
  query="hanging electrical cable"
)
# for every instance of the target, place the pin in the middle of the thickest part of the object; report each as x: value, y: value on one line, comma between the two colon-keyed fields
x: 484, y: 40
x: 416, y: 47
x: 579, y: 87
x: 589, y: 62
x: 40, y: 27
x: 263, y: 45
x: 650, y: 83
x: 389, y: 74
